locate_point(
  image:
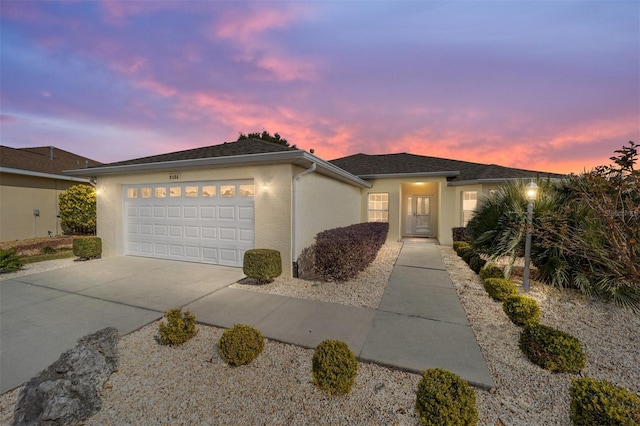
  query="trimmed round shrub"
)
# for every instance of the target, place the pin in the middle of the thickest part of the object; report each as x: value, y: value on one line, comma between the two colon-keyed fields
x: 521, y: 310
x: 443, y: 398
x: 178, y: 328
x: 334, y: 367
x: 552, y: 349
x: 499, y: 288
x: 598, y: 402
x: 462, y: 251
x: 491, y: 271
x: 476, y: 263
x: 10, y: 261
x: 87, y: 247
x: 241, y: 344
x: 457, y: 245
x: 467, y: 255
x: 262, y: 264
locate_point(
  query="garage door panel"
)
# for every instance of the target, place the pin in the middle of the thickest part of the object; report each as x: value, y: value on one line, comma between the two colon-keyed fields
x: 208, y: 212
x: 192, y: 252
x: 227, y: 212
x: 190, y: 212
x: 210, y: 232
x: 227, y: 234
x: 210, y: 254
x: 247, y: 235
x: 245, y: 213
x: 205, y: 227
x: 159, y: 212
x: 192, y: 231
x: 160, y: 230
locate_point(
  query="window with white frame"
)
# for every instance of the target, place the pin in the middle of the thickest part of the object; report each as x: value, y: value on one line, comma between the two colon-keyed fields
x: 469, y: 204
x: 378, y: 207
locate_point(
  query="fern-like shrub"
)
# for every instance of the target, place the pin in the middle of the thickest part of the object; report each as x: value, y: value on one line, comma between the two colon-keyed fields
x: 491, y: 271
x: 443, y: 398
x: 241, y: 344
x: 334, y: 367
x: 10, y: 261
x: 178, y: 327
x: 499, y: 288
x: 552, y: 349
x: 598, y: 402
x: 521, y: 310
x: 262, y: 265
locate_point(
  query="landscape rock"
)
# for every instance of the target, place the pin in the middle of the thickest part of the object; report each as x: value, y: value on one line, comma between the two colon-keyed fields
x: 68, y: 391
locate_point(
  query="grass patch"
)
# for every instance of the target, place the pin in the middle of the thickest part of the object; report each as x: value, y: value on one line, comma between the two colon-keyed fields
x: 65, y: 254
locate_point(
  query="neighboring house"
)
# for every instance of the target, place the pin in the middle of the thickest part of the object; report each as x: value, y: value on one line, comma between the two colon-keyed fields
x: 31, y: 179
x: 211, y: 204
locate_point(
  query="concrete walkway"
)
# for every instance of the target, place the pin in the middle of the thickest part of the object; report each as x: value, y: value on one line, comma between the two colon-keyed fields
x: 420, y: 323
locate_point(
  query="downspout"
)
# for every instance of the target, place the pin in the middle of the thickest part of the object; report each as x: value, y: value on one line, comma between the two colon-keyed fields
x: 294, y: 218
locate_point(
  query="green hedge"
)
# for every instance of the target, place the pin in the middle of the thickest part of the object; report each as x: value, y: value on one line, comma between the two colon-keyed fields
x: 262, y: 264
x: 87, y: 247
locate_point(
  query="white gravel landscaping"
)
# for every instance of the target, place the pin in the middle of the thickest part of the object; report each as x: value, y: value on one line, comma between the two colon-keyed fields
x: 191, y: 384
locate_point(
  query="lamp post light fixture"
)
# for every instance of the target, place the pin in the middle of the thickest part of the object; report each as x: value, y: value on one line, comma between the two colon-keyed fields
x: 531, y: 191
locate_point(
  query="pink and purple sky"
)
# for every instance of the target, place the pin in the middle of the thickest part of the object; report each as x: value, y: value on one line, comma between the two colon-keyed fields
x: 544, y: 85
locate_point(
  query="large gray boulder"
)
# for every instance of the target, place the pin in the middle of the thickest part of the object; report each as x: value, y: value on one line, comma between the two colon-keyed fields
x: 68, y: 391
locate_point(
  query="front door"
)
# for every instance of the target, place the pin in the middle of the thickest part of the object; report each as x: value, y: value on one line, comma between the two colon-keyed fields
x: 418, y: 220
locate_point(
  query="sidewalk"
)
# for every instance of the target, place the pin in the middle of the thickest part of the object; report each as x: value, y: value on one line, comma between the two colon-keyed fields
x: 419, y: 324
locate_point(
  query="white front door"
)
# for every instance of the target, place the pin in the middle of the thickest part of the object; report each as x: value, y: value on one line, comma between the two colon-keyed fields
x: 205, y: 222
x: 418, y: 220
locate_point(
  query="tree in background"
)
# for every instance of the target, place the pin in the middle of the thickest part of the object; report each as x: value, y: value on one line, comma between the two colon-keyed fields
x: 78, y: 209
x: 266, y: 136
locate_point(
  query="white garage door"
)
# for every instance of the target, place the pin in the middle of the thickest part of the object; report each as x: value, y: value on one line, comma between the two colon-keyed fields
x: 205, y: 222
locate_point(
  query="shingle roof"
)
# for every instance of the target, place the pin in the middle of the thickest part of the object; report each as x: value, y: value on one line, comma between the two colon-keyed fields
x: 386, y: 164
x: 38, y: 159
x: 227, y: 149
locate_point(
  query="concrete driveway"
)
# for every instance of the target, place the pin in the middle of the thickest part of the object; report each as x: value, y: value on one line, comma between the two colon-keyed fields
x: 44, y: 314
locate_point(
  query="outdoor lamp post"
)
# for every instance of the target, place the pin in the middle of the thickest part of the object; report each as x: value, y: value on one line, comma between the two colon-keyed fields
x: 531, y: 191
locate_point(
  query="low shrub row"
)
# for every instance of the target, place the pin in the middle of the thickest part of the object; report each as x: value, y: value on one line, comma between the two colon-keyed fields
x: 593, y: 402
x: 442, y: 396
x: 341, y: 253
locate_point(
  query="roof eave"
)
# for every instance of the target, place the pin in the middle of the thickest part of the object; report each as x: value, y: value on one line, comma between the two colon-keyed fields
x: 410, y: 175
x: 497, y: 180
x: 298, y: 157
x: 45, y: 175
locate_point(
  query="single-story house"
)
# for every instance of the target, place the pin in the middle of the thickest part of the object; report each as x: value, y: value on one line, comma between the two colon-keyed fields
x: 31, y: 179
x: 212, y: 204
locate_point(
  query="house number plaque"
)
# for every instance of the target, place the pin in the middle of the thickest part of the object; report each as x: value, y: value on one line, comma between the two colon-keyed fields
x: 175, y: 176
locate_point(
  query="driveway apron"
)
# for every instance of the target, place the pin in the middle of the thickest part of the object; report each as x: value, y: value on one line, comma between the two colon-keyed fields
x: 43, y: 315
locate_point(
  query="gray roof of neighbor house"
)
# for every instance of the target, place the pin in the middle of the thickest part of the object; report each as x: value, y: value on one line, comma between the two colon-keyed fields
x: 457, y: 172
x: 228, y: 154
x: 42, y: 160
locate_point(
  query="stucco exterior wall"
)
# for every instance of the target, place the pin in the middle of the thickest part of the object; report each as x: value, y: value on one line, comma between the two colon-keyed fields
x: 272, y: 203
x: 323, y: 203
x: 19, y: 196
